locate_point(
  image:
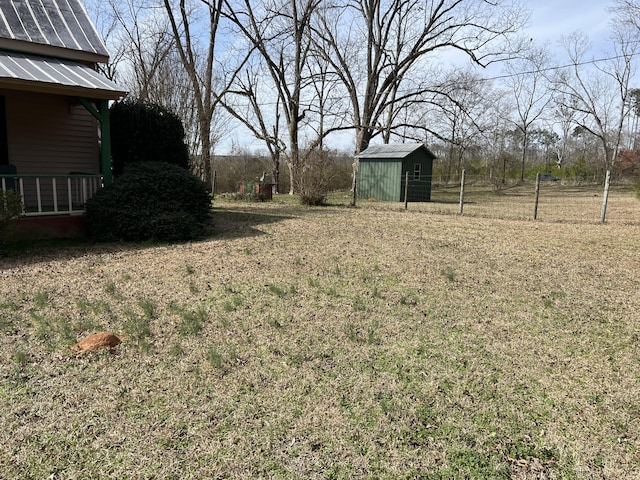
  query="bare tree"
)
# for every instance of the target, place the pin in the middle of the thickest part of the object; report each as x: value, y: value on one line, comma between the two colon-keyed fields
x: 634, y: 114
x: 563, y: 117
x: 531, y: 93
x: 598, y: 91
x: 627, y: 13
x: 144, y: 42
x: 627, y: 19
x: 495, y: 137
x: 278, y: 30
x: 199, y: 66
x: 246, y: 101
x: 460, y: 116
x: 376, y: 45
x: 107, y: 25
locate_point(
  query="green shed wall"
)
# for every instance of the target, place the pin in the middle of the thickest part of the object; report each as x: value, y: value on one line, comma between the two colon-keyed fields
x: 419, y: 190
x: 379, y: 179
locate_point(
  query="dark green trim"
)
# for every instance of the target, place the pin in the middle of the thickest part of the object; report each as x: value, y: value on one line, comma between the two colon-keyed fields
x: 101, y: 113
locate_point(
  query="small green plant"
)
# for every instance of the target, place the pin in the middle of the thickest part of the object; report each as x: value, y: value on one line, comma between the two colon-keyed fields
x: 408, y: 299
x: 21, y: 371
x: 214, y: 357
x: 276, y: 290
x: 189, y: 270
x: 176, y: 350
x: 148, y: 307
x: 233, y: 303
x: 40, y: 300
x: 449, y: 274
x: 137, y: 328
x: 95, y: 307
x: 372, y: 337
x: 43, y: 327
x: 192, y: 320
x: 352, y: 332
x: 358, y: 304
x: 20, y: 357
x: 230, y: 289
x: 275, y: 322
x: 8, y: 316
x: 110, y: 288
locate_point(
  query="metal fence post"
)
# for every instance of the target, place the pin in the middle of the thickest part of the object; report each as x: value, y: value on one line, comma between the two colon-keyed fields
x: 607, y: 180
x: 535, y: 205
x: 406, y: 189
x: 462, y: 193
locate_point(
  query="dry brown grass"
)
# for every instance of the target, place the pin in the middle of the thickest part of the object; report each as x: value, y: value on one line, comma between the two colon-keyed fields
x: 329, y: 343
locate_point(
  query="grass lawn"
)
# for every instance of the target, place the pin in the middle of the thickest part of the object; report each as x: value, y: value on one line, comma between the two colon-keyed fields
x: 329, y: 343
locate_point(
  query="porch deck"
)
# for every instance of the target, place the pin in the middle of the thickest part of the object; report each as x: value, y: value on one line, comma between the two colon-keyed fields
x: 46, y: 195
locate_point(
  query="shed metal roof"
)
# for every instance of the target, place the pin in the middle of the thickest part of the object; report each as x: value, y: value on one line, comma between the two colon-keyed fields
x: 65, y: 77
x: 58, y: 28
x: 398, y: 150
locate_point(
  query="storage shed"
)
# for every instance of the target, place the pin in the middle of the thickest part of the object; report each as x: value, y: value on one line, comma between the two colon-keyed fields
x: 382, y: 172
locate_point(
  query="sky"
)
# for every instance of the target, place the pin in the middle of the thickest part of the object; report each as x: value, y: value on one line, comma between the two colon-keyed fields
x: 551, y: 19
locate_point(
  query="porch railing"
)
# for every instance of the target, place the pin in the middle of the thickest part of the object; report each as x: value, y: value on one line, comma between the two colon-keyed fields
x: 52, y: 194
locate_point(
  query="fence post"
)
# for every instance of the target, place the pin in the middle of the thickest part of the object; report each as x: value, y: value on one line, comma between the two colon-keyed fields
x: 406, y: 189
x: 603, y: 214
x: 535, y: 205
x: 462, y: 192
x: 355, y: 188
x: 214, y: 181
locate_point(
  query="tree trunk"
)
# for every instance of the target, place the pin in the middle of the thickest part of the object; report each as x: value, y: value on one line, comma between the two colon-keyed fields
x: 205, y: 131
x: 524, y: 154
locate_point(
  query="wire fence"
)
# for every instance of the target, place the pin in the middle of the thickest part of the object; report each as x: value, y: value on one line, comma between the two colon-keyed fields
x: 548, y: 199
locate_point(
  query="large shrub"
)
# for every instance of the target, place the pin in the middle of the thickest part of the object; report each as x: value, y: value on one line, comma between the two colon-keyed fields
x: 150, y: 201
x: 319, y: 175
x: 144, y: 132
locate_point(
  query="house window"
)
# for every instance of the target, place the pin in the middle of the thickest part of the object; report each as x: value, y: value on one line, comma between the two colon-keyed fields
x: 416, y: 171
x: 4, y: 143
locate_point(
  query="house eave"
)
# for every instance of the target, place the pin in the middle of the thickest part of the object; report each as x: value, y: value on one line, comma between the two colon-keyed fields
x: 36, y: 73
x: 56, y: 89
x: 31, y: 48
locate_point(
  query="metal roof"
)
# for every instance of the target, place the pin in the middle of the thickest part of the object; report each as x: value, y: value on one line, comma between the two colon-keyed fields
x: 33, y: 26
x: 398, y: 150
x: 65, y: 77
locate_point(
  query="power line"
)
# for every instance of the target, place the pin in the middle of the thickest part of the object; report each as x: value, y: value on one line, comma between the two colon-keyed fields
x: 559, y: 67
x: 513, y: 75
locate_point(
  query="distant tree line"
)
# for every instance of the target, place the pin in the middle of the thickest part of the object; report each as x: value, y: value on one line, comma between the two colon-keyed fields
x: 297, y: 73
